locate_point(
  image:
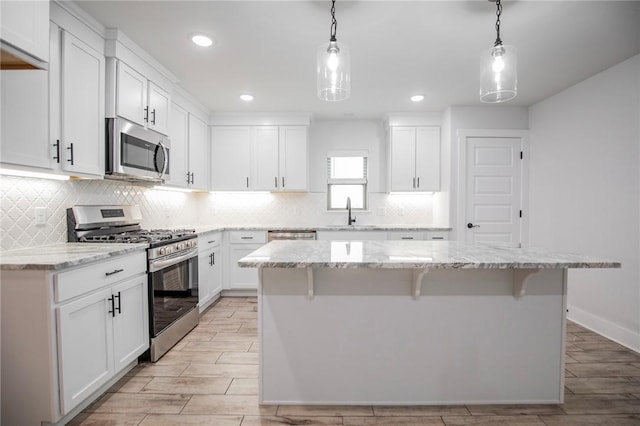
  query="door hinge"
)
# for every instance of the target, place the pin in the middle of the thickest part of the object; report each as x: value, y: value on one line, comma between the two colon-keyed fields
x: 521, y: 155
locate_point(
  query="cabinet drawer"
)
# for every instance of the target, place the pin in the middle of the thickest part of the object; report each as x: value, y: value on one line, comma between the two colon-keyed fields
x: 247, y: 237
x: 436, y: 235
x: 404, y: 235
x: 209, y: 241
x: 96, y: 275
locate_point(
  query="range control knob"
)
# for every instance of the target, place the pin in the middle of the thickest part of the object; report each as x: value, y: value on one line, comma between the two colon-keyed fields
x: 162, y: 251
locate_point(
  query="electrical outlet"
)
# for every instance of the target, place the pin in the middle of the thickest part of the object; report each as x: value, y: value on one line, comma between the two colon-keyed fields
x: 41, y: 215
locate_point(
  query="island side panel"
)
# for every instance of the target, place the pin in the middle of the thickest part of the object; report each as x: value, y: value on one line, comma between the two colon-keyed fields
x: 362, y: 338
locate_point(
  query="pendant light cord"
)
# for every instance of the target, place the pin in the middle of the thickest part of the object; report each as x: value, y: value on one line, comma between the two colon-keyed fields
x: 334, y: 23
x: 498, y: 13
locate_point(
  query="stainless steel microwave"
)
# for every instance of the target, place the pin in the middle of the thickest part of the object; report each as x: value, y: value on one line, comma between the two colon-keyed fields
x: 135, y: 154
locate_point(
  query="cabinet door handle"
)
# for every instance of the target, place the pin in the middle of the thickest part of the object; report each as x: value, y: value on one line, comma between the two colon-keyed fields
x: 275, y: 181
x: 192, y: 177
x: 119, y: 308
x: 213, y: 259
x: 153, y: 120
x: 210, y: 259
x: 282, y: 182
x: 146, y: 114
x: 113, y: 307
x: 247, y: 181
x: 57, y: 156
x: 70, y: 148
x: 188, y: 177
x: 113, y: 272
x: 414, y: 182
x: 418, y: 181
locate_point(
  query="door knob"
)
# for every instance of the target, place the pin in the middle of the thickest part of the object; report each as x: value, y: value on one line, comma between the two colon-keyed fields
x: 471, y: 225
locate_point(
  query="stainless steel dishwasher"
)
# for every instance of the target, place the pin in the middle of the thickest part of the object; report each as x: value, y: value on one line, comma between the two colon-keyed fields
x: 290, y: 234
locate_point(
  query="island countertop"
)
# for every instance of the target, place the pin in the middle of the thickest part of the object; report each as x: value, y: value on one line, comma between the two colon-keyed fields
x: 414, y: 254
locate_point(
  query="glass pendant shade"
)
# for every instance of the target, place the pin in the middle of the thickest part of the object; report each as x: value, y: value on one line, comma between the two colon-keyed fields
x: 334, y: 71
x: 498, y: 74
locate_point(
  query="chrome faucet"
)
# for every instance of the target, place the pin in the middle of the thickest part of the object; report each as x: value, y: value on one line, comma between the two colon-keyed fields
x: 351, y: 220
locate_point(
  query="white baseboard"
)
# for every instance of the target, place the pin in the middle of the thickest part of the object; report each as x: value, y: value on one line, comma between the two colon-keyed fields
x: 606, y: 328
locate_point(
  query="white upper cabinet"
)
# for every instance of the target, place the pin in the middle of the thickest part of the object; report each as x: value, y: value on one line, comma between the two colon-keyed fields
x: 414, y: 158
x: 159, y: 105
x: 140, y: 100
x: 24, y: 32
x: 230, y: 158
x: 264, y: 146
x: 82, y: 133
x: 259, y: 158
x: 178, y: 134
x: 293, y: 158
x: 25, y: 130
x: 198, y: 148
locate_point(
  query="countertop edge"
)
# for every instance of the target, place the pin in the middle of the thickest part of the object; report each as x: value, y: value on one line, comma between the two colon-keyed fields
x: 443, y: 265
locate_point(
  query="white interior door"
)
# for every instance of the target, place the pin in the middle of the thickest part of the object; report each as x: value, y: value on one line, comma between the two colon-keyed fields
x: 493, y: 189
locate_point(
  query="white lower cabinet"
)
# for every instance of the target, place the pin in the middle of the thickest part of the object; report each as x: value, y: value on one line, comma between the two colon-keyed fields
x: 84, y: 327
x: 241, y: 244
x: 210, y: 268
x: 352, y: 235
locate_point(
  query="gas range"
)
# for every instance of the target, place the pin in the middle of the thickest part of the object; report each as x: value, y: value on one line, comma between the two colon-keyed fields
x: 121, y: 224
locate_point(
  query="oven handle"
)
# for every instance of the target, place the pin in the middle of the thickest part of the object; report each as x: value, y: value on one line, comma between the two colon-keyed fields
x: 159, y: 264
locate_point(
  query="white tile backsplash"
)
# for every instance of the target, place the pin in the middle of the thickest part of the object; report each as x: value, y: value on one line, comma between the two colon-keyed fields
x: 165, y: 209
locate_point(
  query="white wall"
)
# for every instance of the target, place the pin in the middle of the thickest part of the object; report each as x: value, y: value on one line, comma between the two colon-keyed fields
x: 585, y: 193
x: 474, y: 118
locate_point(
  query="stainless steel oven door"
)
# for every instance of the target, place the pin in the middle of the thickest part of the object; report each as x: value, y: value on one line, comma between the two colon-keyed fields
x: 173, y: 289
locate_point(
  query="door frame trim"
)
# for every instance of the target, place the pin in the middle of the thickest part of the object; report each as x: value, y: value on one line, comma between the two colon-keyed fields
x: 461, y: 202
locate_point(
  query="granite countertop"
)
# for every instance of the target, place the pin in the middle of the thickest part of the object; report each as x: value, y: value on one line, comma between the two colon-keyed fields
x: 63, y: 255
x: 206, y: 229
x: 412, y: 254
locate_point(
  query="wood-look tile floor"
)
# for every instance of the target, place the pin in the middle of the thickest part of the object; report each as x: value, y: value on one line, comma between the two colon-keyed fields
x: 211, y: 378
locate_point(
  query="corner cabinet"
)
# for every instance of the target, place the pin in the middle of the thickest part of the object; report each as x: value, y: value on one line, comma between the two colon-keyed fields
x: 414, y: 156
x: 259, y: 158
x: 86, y: 326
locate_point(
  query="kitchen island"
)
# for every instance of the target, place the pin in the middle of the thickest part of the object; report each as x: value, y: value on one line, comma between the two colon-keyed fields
x: 416, y: 322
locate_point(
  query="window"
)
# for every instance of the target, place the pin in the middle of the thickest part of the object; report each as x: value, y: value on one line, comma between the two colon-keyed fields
x: 347, y: 178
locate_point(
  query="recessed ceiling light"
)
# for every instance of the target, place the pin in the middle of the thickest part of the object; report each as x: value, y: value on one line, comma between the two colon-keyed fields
x: 201, y: 40
x: 246, y: 97
x: 417, y: 98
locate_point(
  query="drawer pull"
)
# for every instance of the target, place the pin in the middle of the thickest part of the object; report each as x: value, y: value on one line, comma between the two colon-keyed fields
x: 437, y: 238
x: 407, y: 238
x: 246, y: 238
x: 211, y: 242
x: 113, y: 272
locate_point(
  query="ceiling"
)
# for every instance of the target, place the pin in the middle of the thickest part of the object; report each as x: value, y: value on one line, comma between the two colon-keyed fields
x: 398, y: 48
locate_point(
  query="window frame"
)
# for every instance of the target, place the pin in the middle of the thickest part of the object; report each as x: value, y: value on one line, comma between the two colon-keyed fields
x: 333, y: 182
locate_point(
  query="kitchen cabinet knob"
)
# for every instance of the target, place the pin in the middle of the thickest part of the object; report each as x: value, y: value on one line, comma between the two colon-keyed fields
x: 471, y: 225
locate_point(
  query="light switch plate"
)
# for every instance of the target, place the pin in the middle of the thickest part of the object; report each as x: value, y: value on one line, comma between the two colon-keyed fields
x: 41, y: 215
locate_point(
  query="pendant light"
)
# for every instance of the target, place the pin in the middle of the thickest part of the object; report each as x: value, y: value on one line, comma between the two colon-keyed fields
x: 333, y: 66
x: 498, y: 69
